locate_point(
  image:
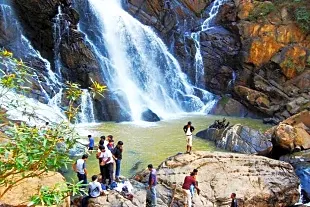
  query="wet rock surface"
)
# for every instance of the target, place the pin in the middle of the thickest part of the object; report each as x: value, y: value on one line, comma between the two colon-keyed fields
x: 238, y: 138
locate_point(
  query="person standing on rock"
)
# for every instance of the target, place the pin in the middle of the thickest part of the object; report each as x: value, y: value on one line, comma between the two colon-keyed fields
x: 117, y: 155
x: 91, y: 142
x: 106, y: 164
x: 103, y: 142
x: 80, y: 168
x: 233, y: 200
x: 188, y: 130
x: 188, y: 181
x: 151, y: 199
x: 192, y: 187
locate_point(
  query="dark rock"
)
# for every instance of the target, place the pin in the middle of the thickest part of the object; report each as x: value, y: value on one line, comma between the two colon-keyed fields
x: 230, y: 107
x: 150, y: 116
x: 240, y: 139
x: 114, y: 106
x: 272, y: 121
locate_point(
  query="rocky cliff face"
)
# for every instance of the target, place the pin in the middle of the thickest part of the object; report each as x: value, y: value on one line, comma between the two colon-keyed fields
x: 257, y: 51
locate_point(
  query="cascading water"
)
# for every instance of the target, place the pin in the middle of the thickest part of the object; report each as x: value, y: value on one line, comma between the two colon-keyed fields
x: 206, y: 25
x: 22, y: 47
x: 60, y: 27
x: 87, y: 111
x: 139, y: 64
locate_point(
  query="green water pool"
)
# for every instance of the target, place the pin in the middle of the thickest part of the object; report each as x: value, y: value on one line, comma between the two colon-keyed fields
x: 146, y: 143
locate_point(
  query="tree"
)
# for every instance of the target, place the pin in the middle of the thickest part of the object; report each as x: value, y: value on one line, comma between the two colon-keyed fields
x: 28, y: 151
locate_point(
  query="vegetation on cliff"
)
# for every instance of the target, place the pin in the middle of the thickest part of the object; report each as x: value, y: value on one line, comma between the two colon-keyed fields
x: 298, y: 9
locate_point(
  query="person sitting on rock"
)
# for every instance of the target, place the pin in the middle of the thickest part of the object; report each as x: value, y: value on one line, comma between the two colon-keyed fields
x: 94, y: 190
x: 188, y: 181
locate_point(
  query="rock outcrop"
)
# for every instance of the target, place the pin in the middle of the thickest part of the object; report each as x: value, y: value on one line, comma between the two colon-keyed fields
x: 21, y: 193
x: 257, y: 181
x: 238, y: 138
x: 230, y: 107
x: 293, y: 134
x: 219, y: 174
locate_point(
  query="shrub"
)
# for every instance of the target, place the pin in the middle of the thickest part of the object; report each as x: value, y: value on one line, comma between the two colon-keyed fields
x: 262, y: 9
x: 302, y: 16
x: 29, y: 151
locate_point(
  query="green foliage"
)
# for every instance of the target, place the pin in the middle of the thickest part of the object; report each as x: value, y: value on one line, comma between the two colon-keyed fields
x: 289, y: 63
x: 13, y: 79
x: 302, y: 16
x: 56, y: 195
x: 261, y: 9
x: 29, y: 151
x: 299, y: 10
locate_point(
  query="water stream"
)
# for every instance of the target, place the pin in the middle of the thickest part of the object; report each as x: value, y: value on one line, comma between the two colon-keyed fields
x: 146, y: 143
x: 206, y: 25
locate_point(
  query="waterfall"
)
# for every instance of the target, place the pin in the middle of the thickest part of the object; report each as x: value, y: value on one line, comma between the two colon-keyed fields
x: 206, y: 25
x: 60, y: 27
x: 136, y: 62
x: 87, y: 111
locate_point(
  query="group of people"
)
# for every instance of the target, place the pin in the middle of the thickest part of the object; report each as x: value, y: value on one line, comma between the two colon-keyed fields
x: 108, y: 155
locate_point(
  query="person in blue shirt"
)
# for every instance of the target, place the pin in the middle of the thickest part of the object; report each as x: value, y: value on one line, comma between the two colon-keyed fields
x: 91, y: 143
x: 151, y: 199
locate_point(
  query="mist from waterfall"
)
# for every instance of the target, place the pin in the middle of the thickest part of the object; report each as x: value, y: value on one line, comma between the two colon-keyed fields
x: 136, y: 62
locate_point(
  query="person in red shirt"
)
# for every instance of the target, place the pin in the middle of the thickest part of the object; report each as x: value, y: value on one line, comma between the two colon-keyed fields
x: 188, y: 181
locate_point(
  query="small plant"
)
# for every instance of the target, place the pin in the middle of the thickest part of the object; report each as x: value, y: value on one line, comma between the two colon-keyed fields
x: 302, y: 16
x: 289, y: 63
x: 97, y: 88
x: 55, y: 196
x: 261, y: 10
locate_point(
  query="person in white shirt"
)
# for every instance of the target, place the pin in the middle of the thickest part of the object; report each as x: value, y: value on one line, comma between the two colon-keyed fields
x: 106, y: 164
x: 94, y: 187
x: 80, y: 168
x: 94, y: 190
x: 188, y: 130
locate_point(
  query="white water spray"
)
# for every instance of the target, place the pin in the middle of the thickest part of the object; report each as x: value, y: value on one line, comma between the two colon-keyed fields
x: 87, y: 110
x: 140, y: 64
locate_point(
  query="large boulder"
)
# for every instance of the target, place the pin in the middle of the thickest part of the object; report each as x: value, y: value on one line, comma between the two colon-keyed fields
x: 290, y: 138
x: 292, y: 134
x: 230, y: 107
x: 239, y: 138
x: 20, y: 194
x: 150, y: 116
x: 251, y: 177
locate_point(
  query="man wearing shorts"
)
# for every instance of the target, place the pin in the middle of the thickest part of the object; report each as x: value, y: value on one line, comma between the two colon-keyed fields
x: 188, y: 130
